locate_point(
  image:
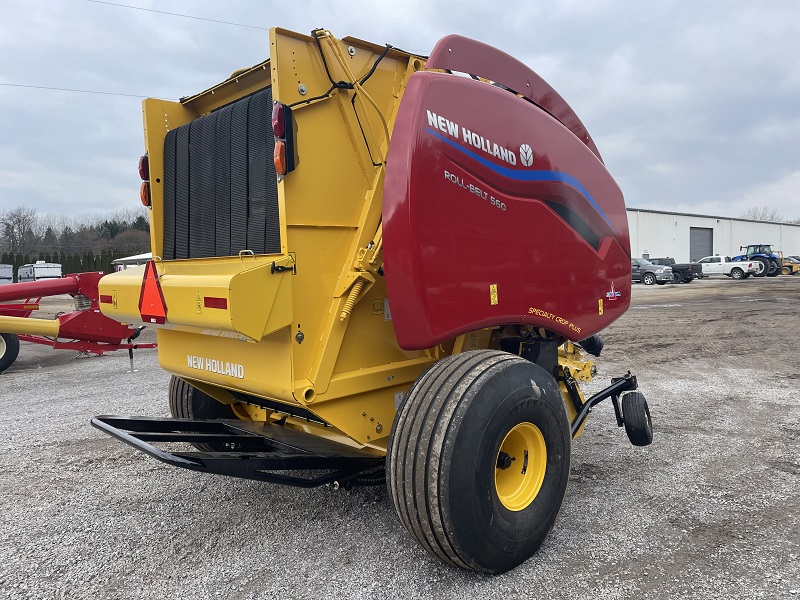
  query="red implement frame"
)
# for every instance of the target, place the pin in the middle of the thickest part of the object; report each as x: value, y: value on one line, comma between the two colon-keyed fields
x: 85, y: 329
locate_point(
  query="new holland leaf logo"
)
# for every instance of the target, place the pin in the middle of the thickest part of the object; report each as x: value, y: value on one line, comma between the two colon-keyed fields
x: 526, y: 155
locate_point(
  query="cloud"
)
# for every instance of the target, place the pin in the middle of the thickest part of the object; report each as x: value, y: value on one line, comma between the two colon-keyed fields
x: 691, y: 104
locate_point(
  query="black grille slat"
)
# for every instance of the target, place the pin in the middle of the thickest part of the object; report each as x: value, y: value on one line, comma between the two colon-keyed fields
x: 222, y: 182
x: 220, y: 189
x: 182, y: 193
x: 239, y: 176
x: 208, y: 216
x: 256, y: 173
x: 169, y: 193
x: 195, y: 187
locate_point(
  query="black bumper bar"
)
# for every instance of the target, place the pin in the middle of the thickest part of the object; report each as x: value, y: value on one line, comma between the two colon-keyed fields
x: 247, y: 449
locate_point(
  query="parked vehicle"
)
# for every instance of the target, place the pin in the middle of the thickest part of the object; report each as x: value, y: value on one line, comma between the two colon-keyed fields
x: 723, y: 265
x: 789, y: 266
x: 648, y: 273
x: 770, y: 263
x: 6, y: 274
x: 681, y: 272
x: 38, y: 270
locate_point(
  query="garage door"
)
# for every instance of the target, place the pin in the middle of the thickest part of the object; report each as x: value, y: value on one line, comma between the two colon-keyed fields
x: 701, y: 242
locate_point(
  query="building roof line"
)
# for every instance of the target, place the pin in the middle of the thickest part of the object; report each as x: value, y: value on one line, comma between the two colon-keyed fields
x: 684, y: 214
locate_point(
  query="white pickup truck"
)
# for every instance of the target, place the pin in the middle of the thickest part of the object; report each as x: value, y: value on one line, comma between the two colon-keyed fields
x: 723, y: 265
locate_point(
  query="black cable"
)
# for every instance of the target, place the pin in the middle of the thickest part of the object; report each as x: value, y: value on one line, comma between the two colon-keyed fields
x: 163, y: 12
x: 375, y: 65
x: 59, y: 89
x: 336, y: 84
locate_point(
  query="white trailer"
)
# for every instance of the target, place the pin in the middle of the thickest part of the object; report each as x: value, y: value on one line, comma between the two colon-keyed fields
x: 6, y: 274
x: 39, y: 270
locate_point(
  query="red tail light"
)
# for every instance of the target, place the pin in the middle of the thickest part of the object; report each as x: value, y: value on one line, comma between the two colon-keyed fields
x: 283, y: 129
x: 279, y: 120
x: 144, y: 168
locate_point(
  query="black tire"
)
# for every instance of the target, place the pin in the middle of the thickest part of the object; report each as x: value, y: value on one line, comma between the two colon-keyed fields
x: 187, y: 402
x: 763, y: 267
x: 636, y: 415
x: 445, y: 447
x: 786, y: 271
x: 648, y: 279
x: 9, y: 350
x: 737, y: 273
x: 676, y: 277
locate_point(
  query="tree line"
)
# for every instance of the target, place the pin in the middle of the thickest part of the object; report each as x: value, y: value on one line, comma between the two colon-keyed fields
x: 80, y: 243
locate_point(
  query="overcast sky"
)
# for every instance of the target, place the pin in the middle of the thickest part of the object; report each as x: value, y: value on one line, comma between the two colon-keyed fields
x: 694, y: 105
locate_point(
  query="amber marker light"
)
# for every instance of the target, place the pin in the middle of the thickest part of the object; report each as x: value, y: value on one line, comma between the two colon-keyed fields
x: 279, y: 156
x: 144, y: 193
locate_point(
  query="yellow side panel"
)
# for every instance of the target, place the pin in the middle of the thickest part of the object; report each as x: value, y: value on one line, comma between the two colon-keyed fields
x: 263, y: 369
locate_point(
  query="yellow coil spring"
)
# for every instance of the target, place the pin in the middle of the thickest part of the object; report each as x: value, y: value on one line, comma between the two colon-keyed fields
x: 351, y: 300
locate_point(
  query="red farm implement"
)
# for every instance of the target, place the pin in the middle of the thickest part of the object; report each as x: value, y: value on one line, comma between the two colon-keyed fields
x: 84, y: 329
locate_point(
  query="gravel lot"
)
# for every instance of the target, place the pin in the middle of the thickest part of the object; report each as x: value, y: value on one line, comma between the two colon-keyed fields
x: 710, y: 510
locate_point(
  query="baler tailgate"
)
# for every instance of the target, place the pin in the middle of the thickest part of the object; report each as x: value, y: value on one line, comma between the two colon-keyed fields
x: 243, y: 449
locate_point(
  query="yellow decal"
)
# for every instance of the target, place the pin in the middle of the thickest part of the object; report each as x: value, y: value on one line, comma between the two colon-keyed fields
x: 377, y: 307
x: 493, y: 294
x: 114, y: 298
x: 199, y: 302
x: 600, y: 306
x: 548, y: 315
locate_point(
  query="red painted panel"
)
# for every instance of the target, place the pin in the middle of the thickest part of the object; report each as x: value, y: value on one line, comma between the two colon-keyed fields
x: 484, y: 189
x: 458, y: 53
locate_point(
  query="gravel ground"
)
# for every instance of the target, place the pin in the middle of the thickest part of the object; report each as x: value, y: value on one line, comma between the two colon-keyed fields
x: 709, y: 510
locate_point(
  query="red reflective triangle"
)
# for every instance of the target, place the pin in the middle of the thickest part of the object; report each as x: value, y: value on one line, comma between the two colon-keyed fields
x: 151, y: 300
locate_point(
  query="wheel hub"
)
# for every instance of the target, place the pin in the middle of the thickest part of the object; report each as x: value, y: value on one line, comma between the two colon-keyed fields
x: 520, y: 467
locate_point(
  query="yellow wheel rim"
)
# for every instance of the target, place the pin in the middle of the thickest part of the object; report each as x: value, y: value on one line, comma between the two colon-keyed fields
x: 521, y: 463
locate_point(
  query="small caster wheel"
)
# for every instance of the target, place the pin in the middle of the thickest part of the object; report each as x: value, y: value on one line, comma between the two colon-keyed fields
x: 636, y: 417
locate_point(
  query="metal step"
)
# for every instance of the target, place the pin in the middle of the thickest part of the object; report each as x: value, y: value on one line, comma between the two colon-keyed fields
x: 244, y: 449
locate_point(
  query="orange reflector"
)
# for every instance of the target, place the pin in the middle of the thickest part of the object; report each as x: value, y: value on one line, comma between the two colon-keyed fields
x: 152, y: 306
x: 144, y: 193
x: 280, y: 157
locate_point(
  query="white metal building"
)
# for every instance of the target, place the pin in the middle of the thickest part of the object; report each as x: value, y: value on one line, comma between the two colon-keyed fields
x: 685, y: 236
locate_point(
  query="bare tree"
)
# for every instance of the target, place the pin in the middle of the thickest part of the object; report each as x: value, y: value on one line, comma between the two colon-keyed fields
x: 762, y: 213
x: 18, y: 228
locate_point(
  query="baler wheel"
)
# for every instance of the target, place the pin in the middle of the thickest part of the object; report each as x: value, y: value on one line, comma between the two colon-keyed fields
x: 9, y: 350
x: 478, y: 459
x: 187, y: 402
x: 636, y: 415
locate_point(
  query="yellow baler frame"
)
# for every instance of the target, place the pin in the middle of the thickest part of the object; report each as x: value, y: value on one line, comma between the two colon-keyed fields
x: 314, y: 335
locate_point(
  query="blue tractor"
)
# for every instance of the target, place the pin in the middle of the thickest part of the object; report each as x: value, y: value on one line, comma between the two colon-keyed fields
x: 769, y: 263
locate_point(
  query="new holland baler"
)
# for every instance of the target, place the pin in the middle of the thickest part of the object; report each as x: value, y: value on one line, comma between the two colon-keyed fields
x: 376, y: 267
